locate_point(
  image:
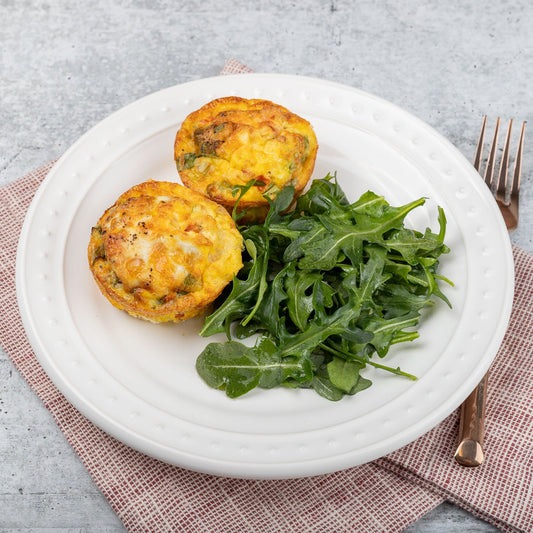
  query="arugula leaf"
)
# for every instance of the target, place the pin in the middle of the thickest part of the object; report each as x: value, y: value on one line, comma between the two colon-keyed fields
x: 385, y: 330
x: 270, y: 313
x: 344, y: 374
x: 237, y: 368
x: 300, y: 304
x: 325, y: 196
x: 323, y: 386
x: 325, y: 286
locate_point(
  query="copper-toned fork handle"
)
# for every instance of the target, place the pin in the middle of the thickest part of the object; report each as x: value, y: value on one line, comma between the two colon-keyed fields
x: 472, y: 416
x: 472, y: 425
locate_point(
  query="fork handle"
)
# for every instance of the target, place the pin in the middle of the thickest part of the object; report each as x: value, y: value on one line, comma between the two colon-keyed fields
x: 472, y: 426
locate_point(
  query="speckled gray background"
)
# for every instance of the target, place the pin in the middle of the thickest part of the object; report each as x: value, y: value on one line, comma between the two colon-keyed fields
x: 66, y: 65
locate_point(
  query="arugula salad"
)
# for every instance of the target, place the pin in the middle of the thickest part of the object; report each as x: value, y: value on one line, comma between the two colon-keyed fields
x: 326, y: 286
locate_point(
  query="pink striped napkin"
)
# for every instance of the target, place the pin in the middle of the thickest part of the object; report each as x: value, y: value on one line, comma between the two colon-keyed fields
x: 383, y: 496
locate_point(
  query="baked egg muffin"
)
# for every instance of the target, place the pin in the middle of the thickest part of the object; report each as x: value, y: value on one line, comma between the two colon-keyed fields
x: 163, y: 252
x: 231, y: 140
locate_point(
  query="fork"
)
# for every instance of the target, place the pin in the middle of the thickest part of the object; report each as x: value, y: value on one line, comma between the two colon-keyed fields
x: 472, y: 417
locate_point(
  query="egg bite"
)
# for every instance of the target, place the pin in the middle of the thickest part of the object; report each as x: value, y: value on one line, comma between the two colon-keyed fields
x: 230, y: 141
x: 163, y: 253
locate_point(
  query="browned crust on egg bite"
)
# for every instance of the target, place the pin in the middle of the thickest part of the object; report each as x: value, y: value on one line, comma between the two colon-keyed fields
x: 231, y: 140
x: 163, y: 252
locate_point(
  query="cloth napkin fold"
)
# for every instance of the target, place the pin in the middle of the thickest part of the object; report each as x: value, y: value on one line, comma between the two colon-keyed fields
x: 383, y: 496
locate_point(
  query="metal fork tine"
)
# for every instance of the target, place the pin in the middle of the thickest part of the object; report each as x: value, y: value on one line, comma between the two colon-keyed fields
x: 479, y: 149
x: 489, y: 170
x: 515, y: 187
x: 501, y: 186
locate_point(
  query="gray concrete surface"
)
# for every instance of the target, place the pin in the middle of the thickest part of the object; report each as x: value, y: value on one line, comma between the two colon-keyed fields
x: 66, y: 65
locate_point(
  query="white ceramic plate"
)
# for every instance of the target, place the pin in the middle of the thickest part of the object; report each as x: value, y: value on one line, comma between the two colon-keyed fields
x: 138, y: 382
